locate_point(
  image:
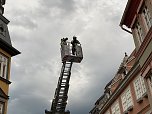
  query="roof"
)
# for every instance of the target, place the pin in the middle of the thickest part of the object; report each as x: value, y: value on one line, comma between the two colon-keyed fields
x: 130, y: 12
x: 3, y: 25
x: 5, y: 41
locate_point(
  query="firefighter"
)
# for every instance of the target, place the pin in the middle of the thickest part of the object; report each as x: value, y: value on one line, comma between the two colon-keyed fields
x: 74, y: 42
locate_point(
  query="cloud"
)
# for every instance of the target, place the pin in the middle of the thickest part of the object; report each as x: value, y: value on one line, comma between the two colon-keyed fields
x: 36, y: 28
x: 67, y: 5
x: 24, y: 21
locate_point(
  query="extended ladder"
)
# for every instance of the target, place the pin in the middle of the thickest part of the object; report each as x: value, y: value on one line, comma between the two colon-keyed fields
x: 61, y: 93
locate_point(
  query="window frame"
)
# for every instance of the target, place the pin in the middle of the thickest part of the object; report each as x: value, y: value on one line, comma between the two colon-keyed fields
x: 142, y: 23
x: 116, y: 108
x: 148, y: 112
x: 139, y: 87
x: 150, y: 83
x: 4, y: 66
x: 3, y: 107
x: 107, y: 112
x: 139, y: 32
x: 127, y: 100
x: 145, y: 13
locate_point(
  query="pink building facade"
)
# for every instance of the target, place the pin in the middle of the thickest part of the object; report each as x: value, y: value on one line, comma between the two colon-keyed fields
x: 130, y: 91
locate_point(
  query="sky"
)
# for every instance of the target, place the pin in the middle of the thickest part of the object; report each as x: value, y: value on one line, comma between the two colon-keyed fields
x: 36, y: 28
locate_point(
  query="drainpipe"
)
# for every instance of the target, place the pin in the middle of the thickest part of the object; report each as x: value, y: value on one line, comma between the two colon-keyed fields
x: 125, y: 29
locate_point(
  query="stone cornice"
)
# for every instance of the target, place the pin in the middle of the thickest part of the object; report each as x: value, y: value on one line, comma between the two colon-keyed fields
x: 8, y: 48
x: 5, y: 80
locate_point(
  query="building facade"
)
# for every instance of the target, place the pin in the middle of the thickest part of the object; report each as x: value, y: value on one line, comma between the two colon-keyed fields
x: 130, y: 91
x: 6, y: 52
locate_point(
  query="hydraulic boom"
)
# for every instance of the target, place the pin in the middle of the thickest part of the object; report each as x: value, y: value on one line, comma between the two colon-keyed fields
x: 61, y: 93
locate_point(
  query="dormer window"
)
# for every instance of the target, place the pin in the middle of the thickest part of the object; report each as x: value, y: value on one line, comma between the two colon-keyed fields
x: 3, y: 66
x: 2, y: 30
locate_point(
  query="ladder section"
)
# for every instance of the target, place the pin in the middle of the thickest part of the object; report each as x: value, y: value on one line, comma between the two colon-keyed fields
x: 61, y: 93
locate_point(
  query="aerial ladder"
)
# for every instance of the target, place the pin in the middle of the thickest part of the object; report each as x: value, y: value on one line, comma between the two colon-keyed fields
x: 68, y: 57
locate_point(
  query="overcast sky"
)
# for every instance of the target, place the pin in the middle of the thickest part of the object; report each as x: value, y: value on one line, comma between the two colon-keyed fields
x: 36, y: 27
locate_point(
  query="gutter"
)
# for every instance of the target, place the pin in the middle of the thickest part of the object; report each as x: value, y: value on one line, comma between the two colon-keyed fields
x: 124, y: 16
x: 125, y: 29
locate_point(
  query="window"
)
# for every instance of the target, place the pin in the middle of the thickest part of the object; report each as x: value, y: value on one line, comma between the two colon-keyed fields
x: 107, y: 112
x: 3, y: 66
x: 142, y: 24
x: 126, y: 100
x: 150, y: 83
x: 139, y: 86
x: 1, y: 108
x: 115, y: 108
x: 139, y: 31
x: 149, y: 112
x: 147, y: 16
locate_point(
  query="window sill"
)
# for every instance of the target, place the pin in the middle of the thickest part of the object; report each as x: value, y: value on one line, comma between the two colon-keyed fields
x: 140, y: 100
x: 145, y: 95
x: 130, y: 108
x: 5, y: 80
x: 125, y: 112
